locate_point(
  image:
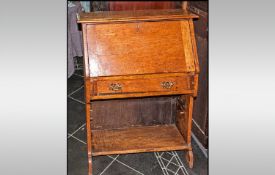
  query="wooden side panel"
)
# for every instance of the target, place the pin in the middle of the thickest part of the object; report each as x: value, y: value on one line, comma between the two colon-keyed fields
x: 194, y: 46
x: 188, y: 47
x: 114, y: 51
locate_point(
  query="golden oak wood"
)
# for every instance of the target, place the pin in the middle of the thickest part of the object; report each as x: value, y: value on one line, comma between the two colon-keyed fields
x: 87, y: 106
x: 149, y: 39
x: 184, y: 123
x: 138, y: 85
x: 194, y: 46
x: 136, y: 95
x: 137, y: 139
x: 134, y: 16
x: 139, y: 54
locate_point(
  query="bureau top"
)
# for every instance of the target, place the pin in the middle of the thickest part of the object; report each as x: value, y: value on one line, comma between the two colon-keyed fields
x: 134, y: 16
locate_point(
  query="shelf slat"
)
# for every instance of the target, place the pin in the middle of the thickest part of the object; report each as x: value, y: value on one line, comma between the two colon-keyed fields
x: 137, y: 139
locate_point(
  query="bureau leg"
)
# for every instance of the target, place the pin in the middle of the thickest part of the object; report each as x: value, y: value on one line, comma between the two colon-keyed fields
x: 90, y: 170
x: 87, y: 88
x: 184, y: 123
x: 189, y: 100
x: 89, y: 137
x: 189, y: 115
x: 189, y: 158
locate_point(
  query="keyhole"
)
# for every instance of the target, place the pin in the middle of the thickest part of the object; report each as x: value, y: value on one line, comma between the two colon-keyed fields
x: 138, y: 27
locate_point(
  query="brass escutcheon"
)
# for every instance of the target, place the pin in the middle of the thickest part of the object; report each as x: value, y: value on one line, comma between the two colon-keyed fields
x: 115, y: 87
x: 167, y: 84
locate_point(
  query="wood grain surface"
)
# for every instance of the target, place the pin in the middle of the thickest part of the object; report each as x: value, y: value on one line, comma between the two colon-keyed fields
x: 141, y: 85
x: 137, y: 139
x: 134, y: 16
x: 125, y: 49
x: 132, y: 55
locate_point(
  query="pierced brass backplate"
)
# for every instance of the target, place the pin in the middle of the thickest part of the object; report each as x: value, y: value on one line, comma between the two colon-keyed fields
x: 167, y: 84
x: 115, y: 87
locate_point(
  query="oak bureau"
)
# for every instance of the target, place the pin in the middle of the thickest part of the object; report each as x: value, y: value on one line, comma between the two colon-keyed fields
x: 139, y: 54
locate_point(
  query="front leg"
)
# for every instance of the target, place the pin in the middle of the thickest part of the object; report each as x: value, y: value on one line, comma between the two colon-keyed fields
x: 189, y: 158
x: 89, y: 137
x: 184, y: 123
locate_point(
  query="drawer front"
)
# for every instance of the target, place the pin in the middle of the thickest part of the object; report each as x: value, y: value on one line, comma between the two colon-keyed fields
x: 138, y: 86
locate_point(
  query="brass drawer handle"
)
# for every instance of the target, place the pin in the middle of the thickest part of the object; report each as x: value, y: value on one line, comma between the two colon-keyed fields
x: 115, y: 87
x: 167, y: 84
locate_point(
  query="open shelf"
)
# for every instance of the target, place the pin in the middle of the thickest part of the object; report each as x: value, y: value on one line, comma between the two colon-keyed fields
x: 137, y: 139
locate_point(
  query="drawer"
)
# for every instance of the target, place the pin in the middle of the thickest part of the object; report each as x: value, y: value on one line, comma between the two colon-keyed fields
x: 148, y: 86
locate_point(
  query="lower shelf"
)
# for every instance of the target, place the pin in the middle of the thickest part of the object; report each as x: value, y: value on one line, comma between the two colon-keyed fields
x: 137, y: 139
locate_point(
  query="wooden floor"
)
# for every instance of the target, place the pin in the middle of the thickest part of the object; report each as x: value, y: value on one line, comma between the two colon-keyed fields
x: 137, y: 139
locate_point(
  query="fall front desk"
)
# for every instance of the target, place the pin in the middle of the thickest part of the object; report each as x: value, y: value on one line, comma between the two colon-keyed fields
x: 139, y: 54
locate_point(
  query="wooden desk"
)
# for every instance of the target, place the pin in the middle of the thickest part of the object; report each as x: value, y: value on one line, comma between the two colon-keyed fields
x: 139, y: 54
